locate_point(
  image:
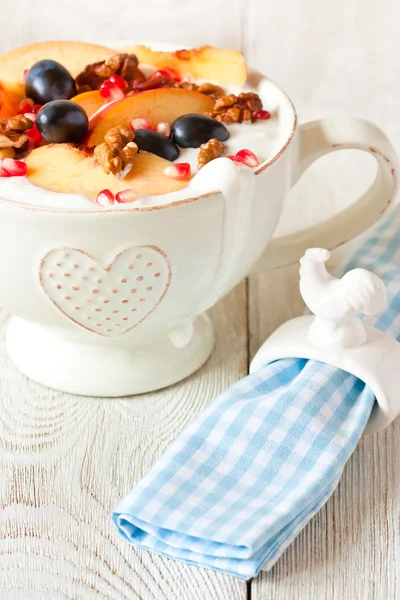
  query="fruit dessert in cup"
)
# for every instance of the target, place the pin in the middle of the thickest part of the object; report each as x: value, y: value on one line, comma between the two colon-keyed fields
x: 145, y: 186
x: 87, y: 127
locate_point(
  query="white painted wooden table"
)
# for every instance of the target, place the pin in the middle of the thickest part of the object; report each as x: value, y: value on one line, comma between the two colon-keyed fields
x: 65, y: 461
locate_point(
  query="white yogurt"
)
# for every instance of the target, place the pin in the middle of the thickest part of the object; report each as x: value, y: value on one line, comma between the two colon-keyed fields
x: 264, y: 138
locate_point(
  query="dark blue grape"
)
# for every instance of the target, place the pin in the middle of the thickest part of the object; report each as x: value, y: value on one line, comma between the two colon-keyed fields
x: 155, y: 142
x: 62, y: 121
x: 47, y: 80
x: 190, y: 131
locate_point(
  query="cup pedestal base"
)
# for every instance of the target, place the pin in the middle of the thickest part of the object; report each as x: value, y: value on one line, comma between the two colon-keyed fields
x: 100, y: 370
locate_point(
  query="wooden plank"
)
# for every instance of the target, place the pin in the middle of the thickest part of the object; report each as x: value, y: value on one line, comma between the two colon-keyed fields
x: 351, y: 548
x: 65, y: 461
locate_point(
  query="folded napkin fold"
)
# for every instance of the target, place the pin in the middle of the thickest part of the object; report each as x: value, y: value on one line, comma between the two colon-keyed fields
x: 237, y: 486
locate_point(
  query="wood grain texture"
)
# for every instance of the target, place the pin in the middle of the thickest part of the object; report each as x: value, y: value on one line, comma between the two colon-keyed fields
x: 65, y: 461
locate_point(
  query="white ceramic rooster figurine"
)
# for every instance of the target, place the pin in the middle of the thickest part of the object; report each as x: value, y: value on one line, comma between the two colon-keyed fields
x: 336, y: 303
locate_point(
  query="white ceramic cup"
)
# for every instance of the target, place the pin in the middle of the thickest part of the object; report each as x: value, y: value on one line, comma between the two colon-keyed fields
x: 112, y: 302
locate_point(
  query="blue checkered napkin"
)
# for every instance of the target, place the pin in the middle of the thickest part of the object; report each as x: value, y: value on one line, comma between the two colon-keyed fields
x: 237, y: 486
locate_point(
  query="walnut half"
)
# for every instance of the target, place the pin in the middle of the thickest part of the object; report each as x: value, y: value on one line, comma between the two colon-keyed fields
x: 12, y: 132
x: 208, y: 151
x: 236, y: 109
x: 117, y: 151
x: 93, y: 75
x: 214, y: 91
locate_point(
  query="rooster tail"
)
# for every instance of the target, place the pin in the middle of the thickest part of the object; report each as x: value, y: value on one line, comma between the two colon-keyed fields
x: 365, y: 294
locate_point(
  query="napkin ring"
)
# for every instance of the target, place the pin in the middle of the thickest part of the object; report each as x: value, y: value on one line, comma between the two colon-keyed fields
x: 335, y: 334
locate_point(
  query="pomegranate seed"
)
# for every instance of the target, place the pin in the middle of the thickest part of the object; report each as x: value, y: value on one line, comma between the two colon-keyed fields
x: 25, y: 106
x: 36, y: 108
x: 140, y: 124
x: 31, y: 116
x: 110, y: 91
x: 15, y: 168
x: 119, y: 81
x: 248, y: 157
x: 261, y: 115
x: 236, y: 159
x: 104, y: 87
x: 35, y: 136
x: 178, y: 171
x: 105, y: 198
x: 170, y: 73
x: 163, y: 128
x: 25, y: 73
x: 3, y: 172
x: 127, y: 196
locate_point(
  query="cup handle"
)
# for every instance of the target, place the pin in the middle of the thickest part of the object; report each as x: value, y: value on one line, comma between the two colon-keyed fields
x: 316, y: 139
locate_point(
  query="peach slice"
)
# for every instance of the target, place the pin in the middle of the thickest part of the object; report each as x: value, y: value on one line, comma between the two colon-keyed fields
x: 164, y: 104
x: 74, y: 56
x: 227, y: 67
x: 89, y: 101
x: 64, y: 168
x: 11, y: 94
